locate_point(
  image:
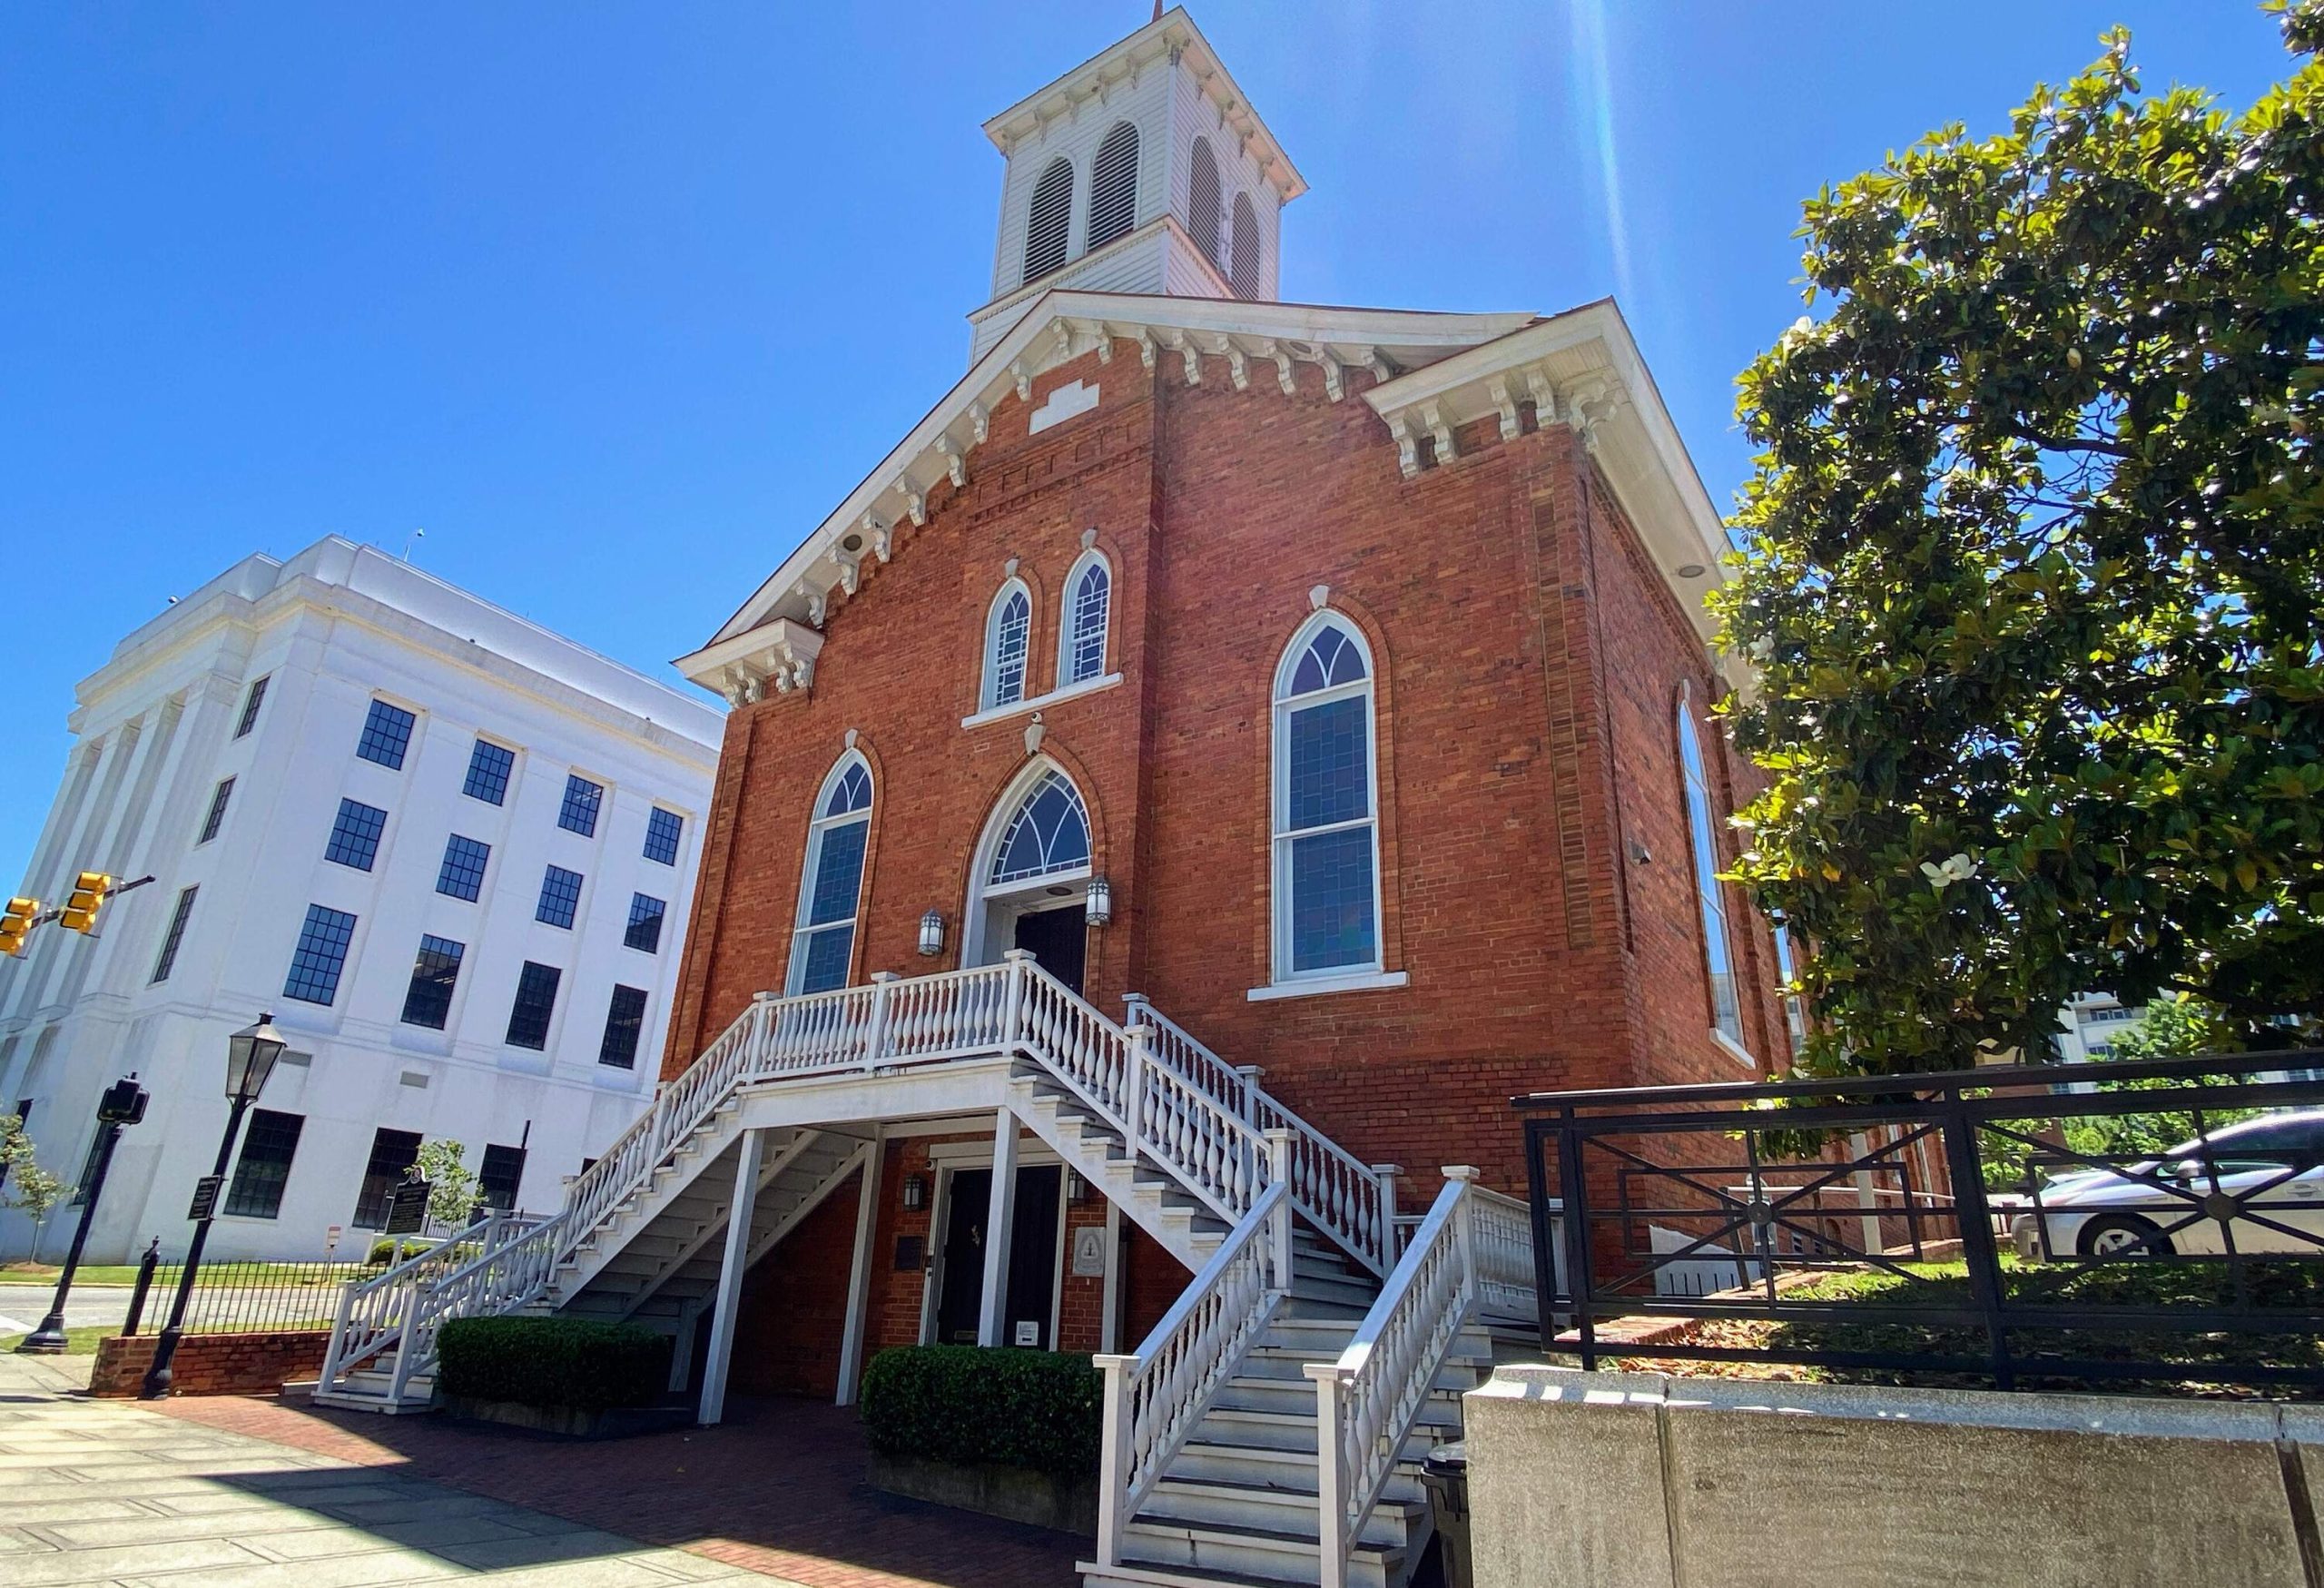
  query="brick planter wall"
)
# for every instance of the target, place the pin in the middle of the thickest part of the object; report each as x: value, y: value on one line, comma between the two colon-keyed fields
x: 255, y: 1363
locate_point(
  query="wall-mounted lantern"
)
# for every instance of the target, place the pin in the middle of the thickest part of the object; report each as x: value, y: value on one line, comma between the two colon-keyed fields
x: 1076, y: 1189
x: 1101, y: 901
x: 915, y: 1193
x: 931, y: 934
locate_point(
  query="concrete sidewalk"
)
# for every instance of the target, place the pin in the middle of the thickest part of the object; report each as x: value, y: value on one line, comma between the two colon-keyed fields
x: 100, y: 1492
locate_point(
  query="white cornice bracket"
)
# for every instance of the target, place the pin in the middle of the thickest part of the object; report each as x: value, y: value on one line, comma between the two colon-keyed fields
x: 1440, y: 429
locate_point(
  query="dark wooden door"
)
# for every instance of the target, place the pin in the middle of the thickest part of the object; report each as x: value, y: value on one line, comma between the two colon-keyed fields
x: 1059, y: 939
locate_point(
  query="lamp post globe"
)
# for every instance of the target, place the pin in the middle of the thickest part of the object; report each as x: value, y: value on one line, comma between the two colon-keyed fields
x: 251, y: 1053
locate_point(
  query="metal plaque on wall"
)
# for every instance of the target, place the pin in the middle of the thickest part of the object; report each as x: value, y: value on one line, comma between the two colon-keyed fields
x: 1089, y: 1252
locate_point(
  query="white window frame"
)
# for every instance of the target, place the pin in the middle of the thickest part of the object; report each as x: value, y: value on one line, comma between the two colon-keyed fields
x: 989, y: 693
x: 1068, y: 636
x: 1365, y: 973
x: 818, y: 827
x: 1710, y: 895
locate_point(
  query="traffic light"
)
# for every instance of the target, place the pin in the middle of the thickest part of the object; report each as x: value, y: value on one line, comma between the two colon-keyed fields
x: 89, y: 891
x: 15, y: 922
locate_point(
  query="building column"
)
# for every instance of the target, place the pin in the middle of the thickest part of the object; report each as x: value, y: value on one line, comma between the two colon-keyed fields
x: 859, y: 1272
x: 730, y: 1275
x: 998, y: 1215
x: 1109, y: 1326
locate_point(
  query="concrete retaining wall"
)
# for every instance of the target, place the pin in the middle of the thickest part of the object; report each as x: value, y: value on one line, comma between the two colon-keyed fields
x: 1629, y: 1481
x: 252, y: 1364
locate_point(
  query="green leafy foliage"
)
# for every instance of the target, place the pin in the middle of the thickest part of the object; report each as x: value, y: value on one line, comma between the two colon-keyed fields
x: 454, y: 1193
x: 552, y: 1362
x: 28, y: 1188
x: 966, y: 1407
x: 2031, y: 573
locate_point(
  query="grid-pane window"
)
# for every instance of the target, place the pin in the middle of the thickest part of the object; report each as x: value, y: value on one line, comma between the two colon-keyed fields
x: 168, y: 957
x: 321, y: 956
x: 822, y: 942
x: 269, y: 1144
x: 1088, y: 593
x: 462, y: 875
x: 624, y: 1025
x: 1718, y: 953
x: 560, y: 897
x: 536, y: 1001
x: 645, y: 916
x: 1327, y: 829
x: 393, y: 1152
x: 217, y: 816
x: 355, y: 836
x: 1008, y: 631
x: 436, y: 971
x: 387, y: 734
x: 662, y: 829
x: 501, y: 1176
x: 252, y: 701
x: 581, y: 802
x: 489, y: 765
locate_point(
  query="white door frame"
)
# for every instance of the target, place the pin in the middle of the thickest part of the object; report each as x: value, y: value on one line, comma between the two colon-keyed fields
x: 944, y: 1158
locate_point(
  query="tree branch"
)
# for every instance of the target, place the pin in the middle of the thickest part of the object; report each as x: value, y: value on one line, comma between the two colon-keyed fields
x: 2072, y: 443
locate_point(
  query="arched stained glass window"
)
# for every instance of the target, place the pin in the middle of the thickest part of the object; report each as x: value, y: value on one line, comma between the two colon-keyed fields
x: 1113, y: 187
x: 1088, y: 595
x: 1719, y: 952
x: 1244, y: 277
x: 1048, y: 223
x: 1202, y: 202
x: 1326, y: 823
x: 1049, y: 833
x: 1008, y: 631
x: 822, y: 942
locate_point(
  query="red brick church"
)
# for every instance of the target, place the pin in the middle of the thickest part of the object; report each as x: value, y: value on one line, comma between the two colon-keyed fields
x: 1219, y: 756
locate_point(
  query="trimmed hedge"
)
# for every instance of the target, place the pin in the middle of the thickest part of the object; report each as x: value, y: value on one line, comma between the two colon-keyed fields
x: 552, y: 1362
x: 966, y: 1407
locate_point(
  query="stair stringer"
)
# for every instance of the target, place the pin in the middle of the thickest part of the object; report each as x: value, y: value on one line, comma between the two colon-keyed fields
x: 1098, y: 1154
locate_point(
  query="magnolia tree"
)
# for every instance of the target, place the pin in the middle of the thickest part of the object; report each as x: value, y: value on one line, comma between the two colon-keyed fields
x: 2030, y: 575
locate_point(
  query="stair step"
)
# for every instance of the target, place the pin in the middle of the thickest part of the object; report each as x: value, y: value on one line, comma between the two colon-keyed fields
x: 1263, y: 1506
x: 1269, y: 1556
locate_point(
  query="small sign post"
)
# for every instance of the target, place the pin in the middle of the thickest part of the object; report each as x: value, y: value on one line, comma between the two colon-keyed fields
x: 205, y: 1197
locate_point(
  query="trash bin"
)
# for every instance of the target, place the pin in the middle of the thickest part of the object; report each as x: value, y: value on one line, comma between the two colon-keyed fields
x: 1446, y: 1476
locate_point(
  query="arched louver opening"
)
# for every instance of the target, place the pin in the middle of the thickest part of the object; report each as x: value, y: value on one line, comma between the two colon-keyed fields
x: 1245, y: 275
x: 1049, y: 224
x: 1113, y: 186
x: 1202, y: 202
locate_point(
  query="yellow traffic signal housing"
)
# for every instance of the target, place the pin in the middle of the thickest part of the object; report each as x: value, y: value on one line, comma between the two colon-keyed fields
x: 15, y: 922
x: 89, y: 891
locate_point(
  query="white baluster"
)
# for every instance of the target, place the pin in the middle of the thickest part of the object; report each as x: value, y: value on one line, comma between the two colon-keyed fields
x: 875, y: 1031
x: 1013, y: 1023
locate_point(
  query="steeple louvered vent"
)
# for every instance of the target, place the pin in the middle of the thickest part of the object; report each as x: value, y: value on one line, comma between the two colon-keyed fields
x: 1050, y: 222
x: 1113, y: 186
x: 1244, y: 277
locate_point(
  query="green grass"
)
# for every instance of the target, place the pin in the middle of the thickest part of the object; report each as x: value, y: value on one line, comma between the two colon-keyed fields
x: 239, y: 1275
x: 80, y: 1342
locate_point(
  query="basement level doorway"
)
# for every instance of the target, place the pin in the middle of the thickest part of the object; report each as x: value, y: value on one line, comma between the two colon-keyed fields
x: 1029, y: 1311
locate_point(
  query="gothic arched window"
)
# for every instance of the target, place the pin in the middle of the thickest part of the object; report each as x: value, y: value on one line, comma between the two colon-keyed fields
x: 1049, y: 833
x: 822, y: 942
x: 1113, y: 187
x: 1007, y: 630
x: 1719, y: 952
x: 1245, y: 275
x: 1048, y: 223
x: 1326, y: 893
x: 1088, y: 600
x: 1202, y: 202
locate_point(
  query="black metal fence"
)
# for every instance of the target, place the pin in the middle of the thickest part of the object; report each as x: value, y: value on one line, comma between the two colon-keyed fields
x: 242, y: 1297
x: 2157, y: 1223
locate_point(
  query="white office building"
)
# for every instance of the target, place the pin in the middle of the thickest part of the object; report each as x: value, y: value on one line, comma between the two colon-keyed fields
x: 451, y: 852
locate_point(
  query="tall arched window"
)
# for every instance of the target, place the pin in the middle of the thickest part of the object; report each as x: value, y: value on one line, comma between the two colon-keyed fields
x: 1007, y: 630
x: 1089, y: 600
x: 1202, y: 202
x: 1326, y: 808
x: 1048, y: 223
x: 822, y: 943
x: 1245, y: 275
x: 1718, y: 953
x: 1113, y: 187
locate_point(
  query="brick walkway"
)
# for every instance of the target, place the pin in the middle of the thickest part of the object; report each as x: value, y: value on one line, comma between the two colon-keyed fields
x: 777, y: 1489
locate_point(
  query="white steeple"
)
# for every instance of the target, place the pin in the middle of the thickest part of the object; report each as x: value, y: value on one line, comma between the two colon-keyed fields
x: 1142, y: 170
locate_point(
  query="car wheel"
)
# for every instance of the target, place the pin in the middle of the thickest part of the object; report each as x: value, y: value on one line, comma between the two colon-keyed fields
x: 2123, y: 1235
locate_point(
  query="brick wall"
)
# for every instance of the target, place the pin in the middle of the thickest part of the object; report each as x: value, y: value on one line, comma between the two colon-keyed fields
x: 252, y: 1363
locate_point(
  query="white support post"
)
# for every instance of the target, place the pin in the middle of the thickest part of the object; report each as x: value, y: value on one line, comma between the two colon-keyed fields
x: 1331, y: 1480
x: 1250, y: 1114
x: 1110, y: 1317
x: 859, y: 1272
x: 748, y: 1154
x: 1141, y: 1055
x: 1113, y: 1458
x: 1392, y: 1242
x: 875, y: 1033
x: 1279, y: 1221
x: 1013, y: 1002
x: 999, y: 1213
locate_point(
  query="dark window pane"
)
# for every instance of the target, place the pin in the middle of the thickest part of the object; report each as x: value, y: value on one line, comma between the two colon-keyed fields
x: 393, y: 1152
x: 387, y: 734
x: 1331, y: 900
x: 662, y: 829
x: 1328, y: 775
x: 825, y: 966
x: 176, y: 936
x: 462, y: 876
x: 646, y: 916
x: 489, y: 765
x: 269, y: 1143
x: 250, y: 704
x: 582, y: 799
x: 839, y: 873
x: 500, y: 1176
x: 217, y: 816
x: 560, y: 896
x: 852, y: 792
x: 427, y: 1002
x: 321, y: 956
x: 536, y: 1001
x: 624, y: 1024
x: 355, y: 836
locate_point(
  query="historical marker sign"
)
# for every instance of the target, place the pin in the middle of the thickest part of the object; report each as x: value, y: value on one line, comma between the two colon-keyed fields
x: 408, y: 1208
x: 205, y: 1197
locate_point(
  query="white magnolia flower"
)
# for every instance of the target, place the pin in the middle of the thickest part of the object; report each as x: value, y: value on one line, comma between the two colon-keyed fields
x: 1953, y: 868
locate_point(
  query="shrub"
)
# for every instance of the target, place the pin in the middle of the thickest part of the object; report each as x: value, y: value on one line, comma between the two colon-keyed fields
x: 965, y: 1406
x: 552, y: 1362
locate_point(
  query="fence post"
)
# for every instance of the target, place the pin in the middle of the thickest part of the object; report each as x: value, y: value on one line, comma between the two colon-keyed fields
x: 1579, y: 1282
x: 1279, y: 1223
x: 1976, y: 1225
x: 145, y: 1267
x: 1331, y: 1480
x: 1383, y: 1175
x: 875, y: 1033
x: 1113, y: 1458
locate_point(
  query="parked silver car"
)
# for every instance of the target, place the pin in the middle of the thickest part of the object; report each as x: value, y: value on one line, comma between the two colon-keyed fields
x: 2262, y: 1180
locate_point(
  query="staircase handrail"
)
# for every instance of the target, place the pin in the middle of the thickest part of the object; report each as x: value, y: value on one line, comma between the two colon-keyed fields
x: 372, y: 1310
x: 513, y: 1273
x: 1351, y: 1202
x: 1367, y: 1402
x: 1155, y: 1395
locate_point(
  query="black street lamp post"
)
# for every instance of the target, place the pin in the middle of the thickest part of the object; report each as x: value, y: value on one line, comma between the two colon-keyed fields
x: 123, y: 1104
x: 251, y: 1053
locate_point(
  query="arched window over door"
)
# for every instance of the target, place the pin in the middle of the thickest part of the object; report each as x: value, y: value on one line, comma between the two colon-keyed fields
x: 1326, y: 893
x: 1718, y: 952
x: 830, y: 885
x: 1047, y: 833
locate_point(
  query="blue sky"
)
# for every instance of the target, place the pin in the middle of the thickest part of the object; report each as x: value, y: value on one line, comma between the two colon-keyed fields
x: 615, y: 301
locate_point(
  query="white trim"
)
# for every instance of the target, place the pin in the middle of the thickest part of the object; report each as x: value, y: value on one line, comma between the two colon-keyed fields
x: 1734, y: 1049
x: 1315, y: 986
x: 1281, y: 838
x: 1001, y: 714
